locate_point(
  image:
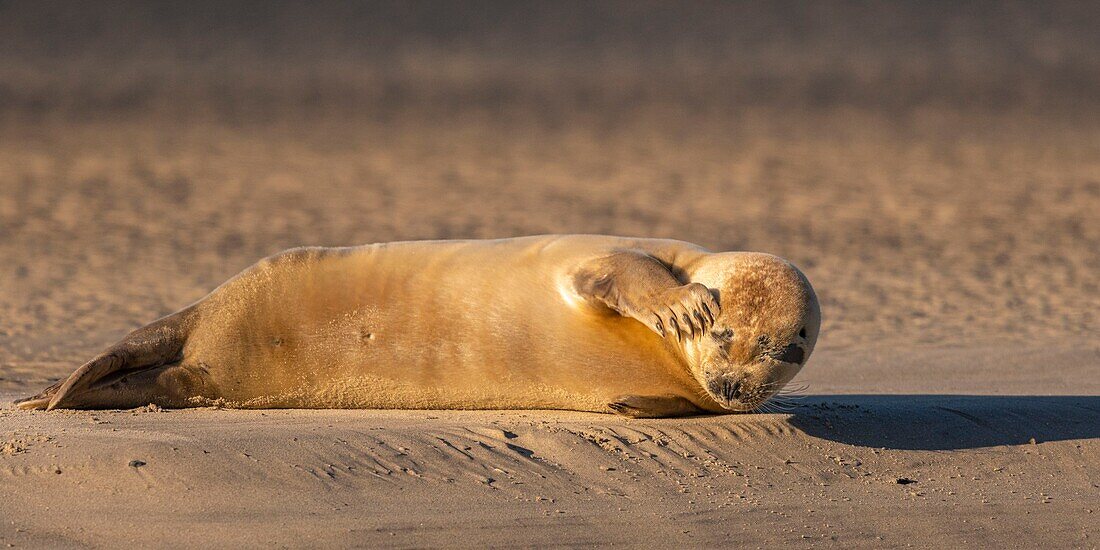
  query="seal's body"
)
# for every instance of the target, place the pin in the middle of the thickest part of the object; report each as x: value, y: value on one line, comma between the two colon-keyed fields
x: 559, y: 322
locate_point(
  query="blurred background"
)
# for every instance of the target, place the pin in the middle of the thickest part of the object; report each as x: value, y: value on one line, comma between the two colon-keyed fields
x: 933, y: 167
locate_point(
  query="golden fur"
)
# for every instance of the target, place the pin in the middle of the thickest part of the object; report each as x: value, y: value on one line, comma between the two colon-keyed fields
x: 559, y: 322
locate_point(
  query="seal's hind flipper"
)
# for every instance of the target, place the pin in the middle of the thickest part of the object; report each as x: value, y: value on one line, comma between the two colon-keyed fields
x: 40, y: 401
x: 32, y: 403
x: 158, y: 343
x: 645, y: 406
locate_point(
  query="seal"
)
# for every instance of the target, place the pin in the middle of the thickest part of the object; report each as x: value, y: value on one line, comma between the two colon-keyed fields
x: 639, y: 327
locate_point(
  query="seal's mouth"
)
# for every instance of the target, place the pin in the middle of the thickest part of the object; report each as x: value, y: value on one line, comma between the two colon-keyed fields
x: 737, y: 393
x: 749, y: 389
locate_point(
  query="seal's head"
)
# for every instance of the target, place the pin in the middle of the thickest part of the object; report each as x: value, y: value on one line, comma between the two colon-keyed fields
x: 765, y: 332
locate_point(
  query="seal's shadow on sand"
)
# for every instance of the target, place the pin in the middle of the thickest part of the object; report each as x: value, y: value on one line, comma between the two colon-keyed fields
x: 947, y: 422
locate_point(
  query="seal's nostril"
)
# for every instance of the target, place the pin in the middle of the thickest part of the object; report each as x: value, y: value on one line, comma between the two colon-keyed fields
x: 731, y: 390
x: 802, y: 332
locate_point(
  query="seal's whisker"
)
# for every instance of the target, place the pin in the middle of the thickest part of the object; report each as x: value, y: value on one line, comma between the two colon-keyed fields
x: 792, y: 397
x: 769, y: 408
x: 788, y: 389
x: 782, y: 408
x: 789, y: 399
x: 786, y: 403
x: 786, y: 406
x: 772, y: 386
x: 772, y: 407
x: 785, y: 385
x: 702, y: 392
x: 778, y: 402
x: 796, y: 387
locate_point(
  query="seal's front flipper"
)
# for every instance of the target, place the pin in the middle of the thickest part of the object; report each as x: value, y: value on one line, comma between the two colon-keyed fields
x: 642, y: 406
x: 638, y: 285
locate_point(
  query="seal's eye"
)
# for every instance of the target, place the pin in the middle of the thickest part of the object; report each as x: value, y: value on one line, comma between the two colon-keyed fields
x: 792, y: 354
x: 802, y: 332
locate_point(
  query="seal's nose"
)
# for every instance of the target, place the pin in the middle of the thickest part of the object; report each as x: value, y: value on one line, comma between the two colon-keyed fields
x: 731, y: 389
x: 792, y: 354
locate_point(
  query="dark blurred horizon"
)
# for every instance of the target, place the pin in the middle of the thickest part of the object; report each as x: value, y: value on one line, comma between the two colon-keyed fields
x: 111, y: 58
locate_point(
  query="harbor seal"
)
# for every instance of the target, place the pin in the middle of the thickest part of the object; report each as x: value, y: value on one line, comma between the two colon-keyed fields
x: 639, y: 327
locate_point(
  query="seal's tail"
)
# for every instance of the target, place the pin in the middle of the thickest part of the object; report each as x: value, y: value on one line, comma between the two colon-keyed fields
x: 154, y: 345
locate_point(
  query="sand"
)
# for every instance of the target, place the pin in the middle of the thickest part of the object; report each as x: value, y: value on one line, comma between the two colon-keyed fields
x: 878, y: 469
x: 935, y: 171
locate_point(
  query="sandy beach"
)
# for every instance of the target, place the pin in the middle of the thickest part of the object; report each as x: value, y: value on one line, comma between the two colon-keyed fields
x: 935, y: 172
